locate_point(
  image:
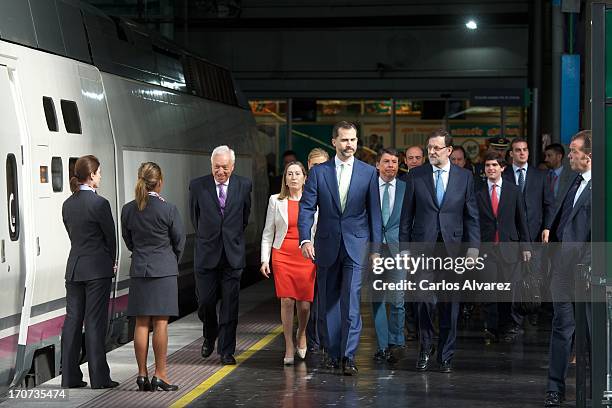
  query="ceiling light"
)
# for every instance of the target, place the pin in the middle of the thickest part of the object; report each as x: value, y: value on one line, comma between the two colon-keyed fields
x: 471, y: 25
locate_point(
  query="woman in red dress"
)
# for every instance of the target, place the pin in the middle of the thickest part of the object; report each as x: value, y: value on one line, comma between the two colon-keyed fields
x: 294, y: 275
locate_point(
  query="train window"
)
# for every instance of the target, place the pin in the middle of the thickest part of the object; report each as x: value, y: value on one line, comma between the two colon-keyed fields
x: 57, y: 171
x: 12, y: 197
x: 70, y: 112
x: 50, y: 115
x: 71, y: 162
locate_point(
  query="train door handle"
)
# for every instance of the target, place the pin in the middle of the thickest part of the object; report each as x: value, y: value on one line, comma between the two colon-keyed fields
x: 2, y: 252
x: 37, y: 246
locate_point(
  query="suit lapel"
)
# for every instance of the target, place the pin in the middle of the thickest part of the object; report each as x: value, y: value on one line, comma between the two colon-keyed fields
x: 332, y: 181
x: 504, y: 200
x: 282, y: 206
x: 483, y: 192
x: 583, y: 197
x: 400, y: 188
x: 354, y: 175
x: 211, y: 186
x: 232, y: 190
x: 452, y: 176
x: 430, y: 184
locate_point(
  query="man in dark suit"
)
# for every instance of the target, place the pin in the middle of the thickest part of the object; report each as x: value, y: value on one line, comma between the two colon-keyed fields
x: 538, y: 206
x: 389, y: 330
x: 440, y: 207
x: 345, y: 190
x: 220, y: 204
x: 570, y: 225
x: 502, y: 220
x: 559, y: 175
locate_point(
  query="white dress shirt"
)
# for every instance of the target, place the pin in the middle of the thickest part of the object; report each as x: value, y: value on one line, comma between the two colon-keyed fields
x: 444, y: 174
x: 347, y: 175
x: 225, y: 185
x: 87, y: 187
x: 586, y: 177
x: 498, y: 188
x: 381, y: 190
x: 516, y: 175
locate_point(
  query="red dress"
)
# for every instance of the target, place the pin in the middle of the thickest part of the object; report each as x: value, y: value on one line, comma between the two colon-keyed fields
x: 294, y: 275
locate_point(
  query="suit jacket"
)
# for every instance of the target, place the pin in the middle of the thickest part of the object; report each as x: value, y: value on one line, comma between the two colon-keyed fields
x: 277, y: 223
x: 91, y: 228
x: 511, y: 221
x: 576, y: 239
x: 155, y: 236
x: 456, y: 220
x: 359, y: 224
x: 392, y: 227
x: 216, y: 233
x: 565, y: 179
x: 539, y: 201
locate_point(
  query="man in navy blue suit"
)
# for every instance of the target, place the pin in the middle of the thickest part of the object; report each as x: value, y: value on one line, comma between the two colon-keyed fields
x: 345, y: 191
x: 440, y: 207
x: 571, y: 226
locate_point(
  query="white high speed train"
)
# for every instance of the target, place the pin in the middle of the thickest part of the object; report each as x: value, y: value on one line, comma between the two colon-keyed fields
x: 56, y: 106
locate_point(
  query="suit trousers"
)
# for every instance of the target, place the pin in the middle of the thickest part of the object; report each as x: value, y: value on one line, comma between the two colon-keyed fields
x: 448, y: 313
x: 86, y: 301
x: 339, y: 295
x: 222, y: 282
x: 312, y: 329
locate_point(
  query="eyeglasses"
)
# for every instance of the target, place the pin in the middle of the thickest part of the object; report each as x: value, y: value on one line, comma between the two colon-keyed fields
x: 436, y: 148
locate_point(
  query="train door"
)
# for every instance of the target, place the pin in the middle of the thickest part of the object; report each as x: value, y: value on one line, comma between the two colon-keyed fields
x: 12, y: 238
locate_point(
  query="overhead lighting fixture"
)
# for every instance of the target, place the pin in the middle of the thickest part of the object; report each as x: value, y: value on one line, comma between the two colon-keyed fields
x: 471, y: 25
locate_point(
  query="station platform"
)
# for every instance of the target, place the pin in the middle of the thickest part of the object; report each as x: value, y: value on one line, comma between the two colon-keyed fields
x: 499, y: 375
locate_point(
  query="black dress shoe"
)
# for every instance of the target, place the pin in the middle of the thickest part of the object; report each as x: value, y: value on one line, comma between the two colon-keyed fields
x: 143, y: 383
x: 381, y: 355
x: 228, y: 359
x: 490, y: 336
x: 553, y: 399
x: 424, y: 359
x: 160, y: 384
x: 81, y: 384
x: 207, y: 348
x: 446, y: 367
x: 392, y: 355
x: 349, y: 367
x: 111, y: 384
x: 332, y: 363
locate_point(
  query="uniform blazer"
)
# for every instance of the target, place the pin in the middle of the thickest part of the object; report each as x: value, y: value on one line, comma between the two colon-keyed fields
x: 392, y: 227
x: 91, y: 228
x: 511, y: 221
x: 539, y: 201
x: 457, y: 217
x: 155, y: 236
x: 277, y: 223
x: 216, y: 233
x: 578, y: 228
x: 358, y: 225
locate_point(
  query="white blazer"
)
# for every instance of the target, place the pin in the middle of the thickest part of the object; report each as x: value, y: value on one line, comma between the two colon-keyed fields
x: 277, y: 223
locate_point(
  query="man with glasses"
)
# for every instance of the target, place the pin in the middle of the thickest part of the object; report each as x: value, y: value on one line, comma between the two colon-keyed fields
x: 439, y: 207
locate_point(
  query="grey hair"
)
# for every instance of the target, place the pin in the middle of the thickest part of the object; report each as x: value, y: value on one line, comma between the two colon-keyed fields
x: 223, y: 150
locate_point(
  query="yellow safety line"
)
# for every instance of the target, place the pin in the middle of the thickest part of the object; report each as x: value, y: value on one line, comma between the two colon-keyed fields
x: 225, y: 370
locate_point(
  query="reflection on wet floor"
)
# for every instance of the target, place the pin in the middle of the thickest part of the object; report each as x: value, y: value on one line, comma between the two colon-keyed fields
x: 495, y: 375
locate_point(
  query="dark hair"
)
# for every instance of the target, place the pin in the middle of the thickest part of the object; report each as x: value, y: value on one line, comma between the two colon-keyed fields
x: 83, y: 168
x: 516, y: 140
x: 343, y: 124
x: 462, y: 150
x: 494, y: 156
x: 587, y: 139
x: 557, y: 147
x: 149, y: 175
x: 423, y: 152
x: 387, y: 150
x: 289, y: 153
x: 448, y: 139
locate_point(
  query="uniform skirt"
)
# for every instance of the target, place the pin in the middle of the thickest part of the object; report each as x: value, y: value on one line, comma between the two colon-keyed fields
x: 153, y: 296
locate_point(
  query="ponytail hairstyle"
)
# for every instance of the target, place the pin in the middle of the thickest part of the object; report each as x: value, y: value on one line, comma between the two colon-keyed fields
x: 149, y: 175
x: 83, y: 168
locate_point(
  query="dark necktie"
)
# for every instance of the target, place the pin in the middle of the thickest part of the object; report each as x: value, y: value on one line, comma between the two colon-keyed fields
x: 521, y: 179
x: 568, y: 205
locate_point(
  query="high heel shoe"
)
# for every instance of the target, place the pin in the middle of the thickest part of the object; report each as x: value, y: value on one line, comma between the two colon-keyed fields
x: 301, y: 352
x: 142, y: 381
x: 162, y: 385
x: 288, y: 361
